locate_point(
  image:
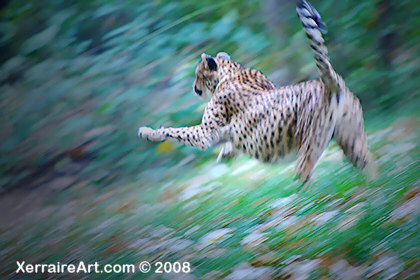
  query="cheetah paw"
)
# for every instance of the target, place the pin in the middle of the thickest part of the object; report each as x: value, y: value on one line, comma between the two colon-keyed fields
x: 149, y: 134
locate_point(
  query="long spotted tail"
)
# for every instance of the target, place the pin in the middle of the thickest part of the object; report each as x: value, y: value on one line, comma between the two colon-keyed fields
x: 313, y: 25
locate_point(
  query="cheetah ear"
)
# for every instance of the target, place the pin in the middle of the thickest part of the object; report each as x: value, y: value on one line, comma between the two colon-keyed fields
x: 211, y: 63
x: 203, y: 56
x: 223, y: 55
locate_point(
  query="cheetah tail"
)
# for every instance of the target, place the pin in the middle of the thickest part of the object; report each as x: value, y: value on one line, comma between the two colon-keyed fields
x: 313, y: 25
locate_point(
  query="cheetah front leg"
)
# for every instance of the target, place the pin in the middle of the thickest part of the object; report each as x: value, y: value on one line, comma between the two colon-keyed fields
x: 227, y: 152
x: 194, y: 136
x: 201, y: 136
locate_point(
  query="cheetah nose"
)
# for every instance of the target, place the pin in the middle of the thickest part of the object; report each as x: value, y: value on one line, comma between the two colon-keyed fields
x: 199, y: 92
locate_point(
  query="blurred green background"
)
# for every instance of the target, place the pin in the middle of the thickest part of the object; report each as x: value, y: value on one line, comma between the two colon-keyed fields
x: 79, y: 77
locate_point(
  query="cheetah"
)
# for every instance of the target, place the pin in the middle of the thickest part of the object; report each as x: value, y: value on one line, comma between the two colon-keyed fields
x: 252, y: 116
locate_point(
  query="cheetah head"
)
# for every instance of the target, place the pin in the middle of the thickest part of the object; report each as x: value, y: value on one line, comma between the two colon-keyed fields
x: 207, y: 74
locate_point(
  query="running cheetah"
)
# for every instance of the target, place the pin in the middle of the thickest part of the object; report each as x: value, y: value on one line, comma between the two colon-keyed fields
x: 252, y: 116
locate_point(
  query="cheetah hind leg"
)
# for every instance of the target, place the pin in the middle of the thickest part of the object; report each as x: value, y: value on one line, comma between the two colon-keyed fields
x: 350, y: 136
x: 314, y: 142
x: 317, y: 132
x: 309, y: 154
x: 227, y: 152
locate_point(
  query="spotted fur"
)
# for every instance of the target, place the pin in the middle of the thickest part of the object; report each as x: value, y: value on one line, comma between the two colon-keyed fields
x: 252, y: 116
